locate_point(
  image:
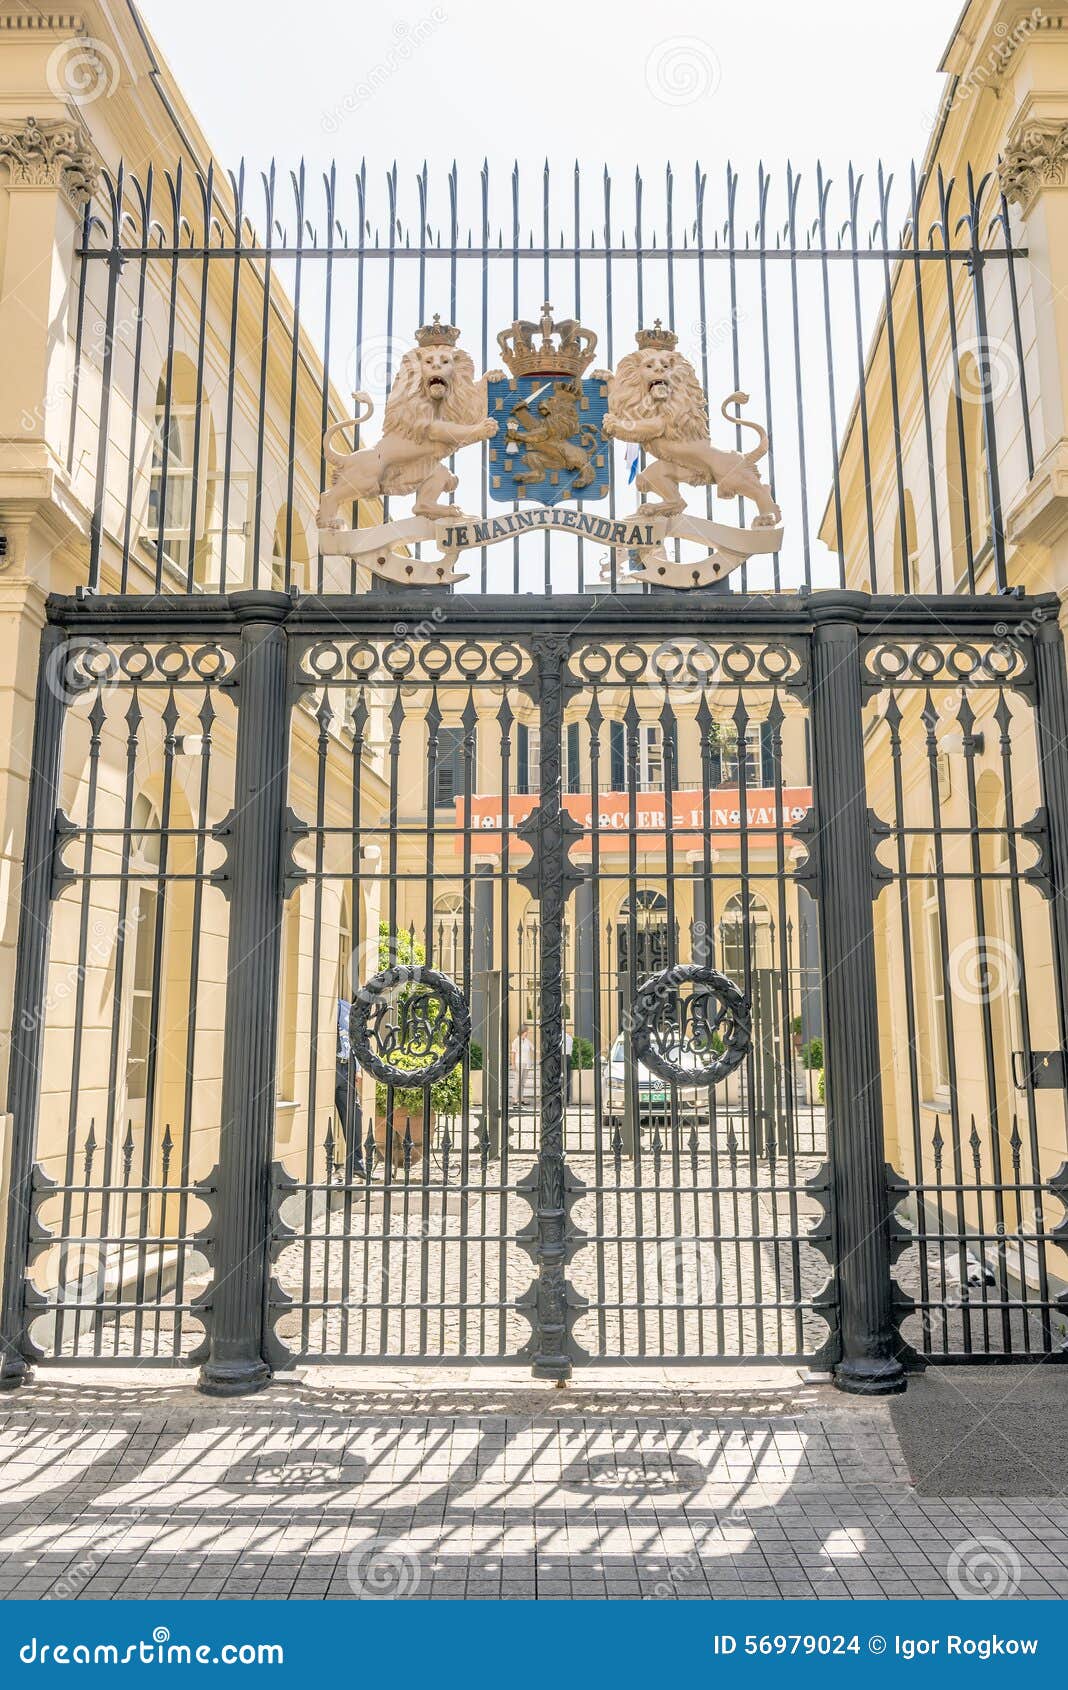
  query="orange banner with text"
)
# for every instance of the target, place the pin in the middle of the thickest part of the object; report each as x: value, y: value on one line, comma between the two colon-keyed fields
x: 614, y: 819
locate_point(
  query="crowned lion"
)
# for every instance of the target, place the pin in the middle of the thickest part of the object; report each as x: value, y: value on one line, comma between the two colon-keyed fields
x: 435, y: 407
x: 656, y: 401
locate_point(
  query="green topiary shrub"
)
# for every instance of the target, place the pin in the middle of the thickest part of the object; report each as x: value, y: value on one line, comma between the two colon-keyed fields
x: 582, y: 1053
x: 812, y: 1053
x: 445, y: 1094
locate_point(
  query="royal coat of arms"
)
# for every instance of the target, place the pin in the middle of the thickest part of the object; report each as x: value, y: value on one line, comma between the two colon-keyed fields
x: 549, y: 430
x: 548, y: 445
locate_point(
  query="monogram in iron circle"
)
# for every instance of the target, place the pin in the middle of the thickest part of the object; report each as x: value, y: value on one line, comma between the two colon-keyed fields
x: 702, y: 1038
x: 430, y: 1031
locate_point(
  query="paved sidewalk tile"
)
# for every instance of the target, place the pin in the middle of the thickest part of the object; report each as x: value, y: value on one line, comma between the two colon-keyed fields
x: 394, y: 1491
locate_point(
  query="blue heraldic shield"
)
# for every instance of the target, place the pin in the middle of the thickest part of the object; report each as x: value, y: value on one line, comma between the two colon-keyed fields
x: 548, y: 444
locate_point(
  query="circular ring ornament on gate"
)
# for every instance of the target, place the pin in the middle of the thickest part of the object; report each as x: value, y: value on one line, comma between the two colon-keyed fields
x: 713, y: 1027
x: 431, y: 1030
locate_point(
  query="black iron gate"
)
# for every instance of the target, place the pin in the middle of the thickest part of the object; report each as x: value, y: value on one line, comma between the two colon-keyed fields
x: 578, y: 978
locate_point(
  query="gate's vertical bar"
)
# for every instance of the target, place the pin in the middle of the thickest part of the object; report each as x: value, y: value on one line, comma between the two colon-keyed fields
x: 867, y: 1364
x: 235, y: 1363
x: 550, y: 1348
x: 1052, y: 727
x: 31, y: 973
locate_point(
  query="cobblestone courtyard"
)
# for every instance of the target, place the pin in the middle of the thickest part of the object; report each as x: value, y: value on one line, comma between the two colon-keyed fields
x: 481, y: 1486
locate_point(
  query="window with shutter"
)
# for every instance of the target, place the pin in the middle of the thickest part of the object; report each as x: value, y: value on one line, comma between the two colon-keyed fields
x: 449, y: 782
x: 522, y: 757
x: 767, y: 756
x: 572, y: 775
x: 617, y: 757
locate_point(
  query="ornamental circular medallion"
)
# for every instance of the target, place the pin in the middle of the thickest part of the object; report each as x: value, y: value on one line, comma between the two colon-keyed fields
x: 696, y: 1039
x: 409, y: 1025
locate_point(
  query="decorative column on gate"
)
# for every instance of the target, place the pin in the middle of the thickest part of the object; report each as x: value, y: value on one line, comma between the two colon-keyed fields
x: 550, y: 876
x: 868, y: 1364
x: 256, y: 826
x: 28, y: 1019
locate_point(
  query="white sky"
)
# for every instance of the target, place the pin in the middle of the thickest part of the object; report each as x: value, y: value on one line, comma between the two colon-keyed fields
x: 623, y: 84
x: 465, y: 78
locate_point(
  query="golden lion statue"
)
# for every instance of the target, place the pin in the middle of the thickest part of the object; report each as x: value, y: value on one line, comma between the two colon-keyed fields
x: 656, y: 401
x: 435, y: 406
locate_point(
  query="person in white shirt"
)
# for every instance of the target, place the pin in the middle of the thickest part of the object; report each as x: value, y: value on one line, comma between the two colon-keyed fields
x: 569, y: 1046
x: 521, y: 1073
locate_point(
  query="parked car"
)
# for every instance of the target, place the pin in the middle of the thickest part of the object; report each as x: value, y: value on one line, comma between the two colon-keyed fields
x: 653, y: 1093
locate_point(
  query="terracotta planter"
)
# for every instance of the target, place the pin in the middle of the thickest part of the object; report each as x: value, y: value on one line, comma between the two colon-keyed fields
x: 403, y: 1124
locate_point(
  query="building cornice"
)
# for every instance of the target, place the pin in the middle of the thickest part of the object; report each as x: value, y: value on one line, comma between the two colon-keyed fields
x: 41, y: 23
x: 1036, y: 157
x: 51, y: 153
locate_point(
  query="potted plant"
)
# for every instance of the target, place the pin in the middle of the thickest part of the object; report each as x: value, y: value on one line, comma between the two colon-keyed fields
x: 409, y: 1110
x: 812, y: 1057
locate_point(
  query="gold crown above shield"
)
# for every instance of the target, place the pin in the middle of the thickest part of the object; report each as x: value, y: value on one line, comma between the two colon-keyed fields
x: 547, y: 348
x: 656, y: 339
x: 437, y: 333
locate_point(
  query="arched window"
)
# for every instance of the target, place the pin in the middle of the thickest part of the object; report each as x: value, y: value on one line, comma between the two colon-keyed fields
x: 745, y: 933
x: 650, y: 929
x: 289, y: 1001
x: 906, y: 558
x: 141, y: 985
x: 966, y: 470
x: 448, y: 934
x: 182, y: 485
x: 297, y: 545
x: 937, y: 1076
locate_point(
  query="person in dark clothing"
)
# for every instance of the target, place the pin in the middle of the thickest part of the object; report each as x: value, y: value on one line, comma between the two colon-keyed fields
x: 347, y: 1095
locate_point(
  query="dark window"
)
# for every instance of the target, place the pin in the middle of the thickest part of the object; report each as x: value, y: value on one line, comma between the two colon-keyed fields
x: 617, y: 757
x: 573, y: 766
x: 522, y: 757
x: 767, y: 756
x: 449, y: 782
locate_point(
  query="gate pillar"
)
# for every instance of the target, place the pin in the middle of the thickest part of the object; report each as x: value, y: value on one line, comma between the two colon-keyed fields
x: 550, y: 831
x: 235, y: 1364
x: 31, y: 974
x: 868, y: 1364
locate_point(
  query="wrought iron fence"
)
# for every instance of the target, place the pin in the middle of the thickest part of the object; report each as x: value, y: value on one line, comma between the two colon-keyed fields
x: 883, y: 331
x: 193, y: 1153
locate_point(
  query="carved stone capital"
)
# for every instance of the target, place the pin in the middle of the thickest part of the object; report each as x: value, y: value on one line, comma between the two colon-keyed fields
x: 1036, y: 158
x: 54, y: 153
